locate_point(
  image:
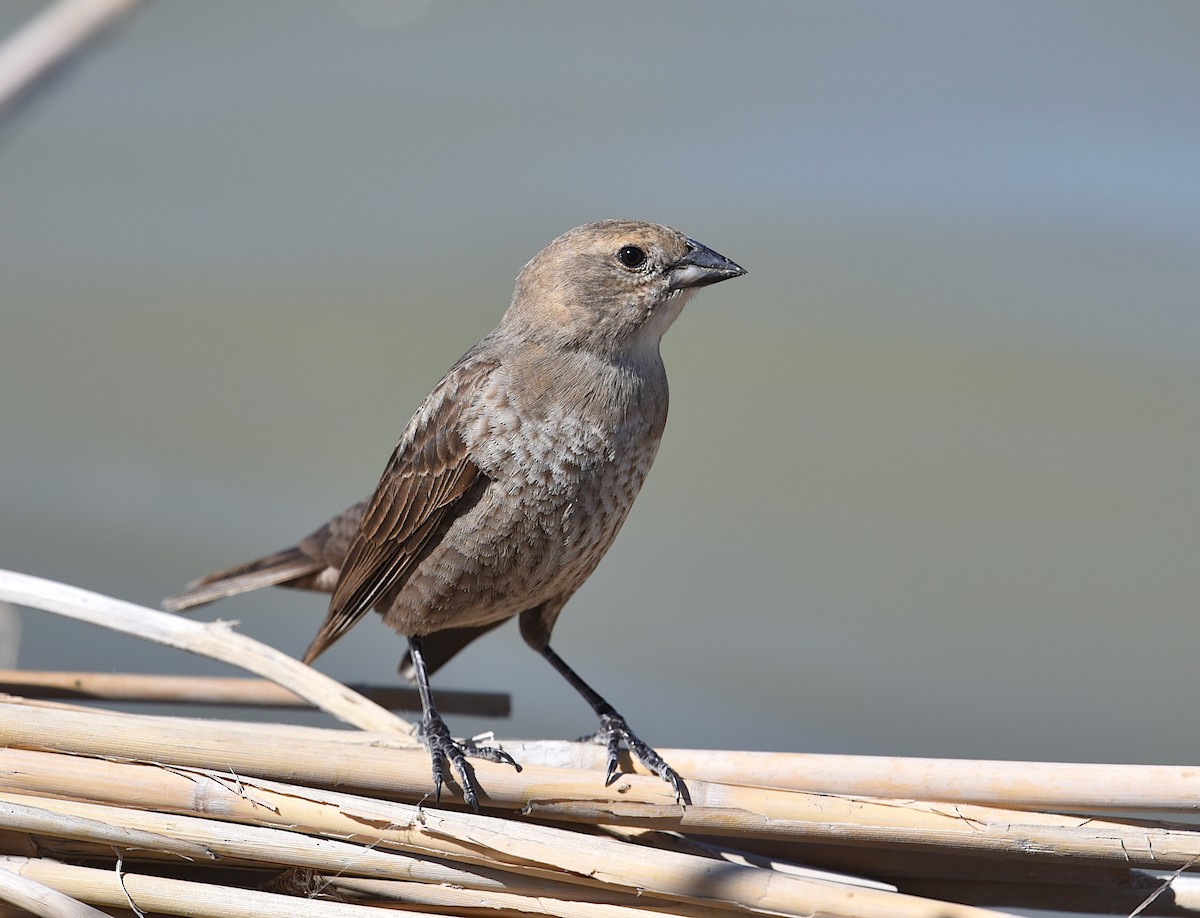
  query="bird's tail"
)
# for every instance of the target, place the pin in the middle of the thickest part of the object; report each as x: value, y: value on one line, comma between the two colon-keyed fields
x: 282, y: 568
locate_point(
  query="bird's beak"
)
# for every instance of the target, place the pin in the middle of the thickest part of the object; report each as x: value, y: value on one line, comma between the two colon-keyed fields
x: 700, y: 267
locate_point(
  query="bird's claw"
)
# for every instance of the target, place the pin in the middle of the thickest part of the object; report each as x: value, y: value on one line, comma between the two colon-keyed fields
x: 613, y: 731
x: 488, y: 753
x: 444, y: 748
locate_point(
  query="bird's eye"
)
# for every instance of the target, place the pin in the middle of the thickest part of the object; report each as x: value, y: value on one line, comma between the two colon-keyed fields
x: 631, y: 256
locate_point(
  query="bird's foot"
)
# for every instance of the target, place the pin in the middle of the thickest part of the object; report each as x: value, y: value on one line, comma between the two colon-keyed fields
x: 476, y: 750
x: 613, y: 731
x: 443, y: 749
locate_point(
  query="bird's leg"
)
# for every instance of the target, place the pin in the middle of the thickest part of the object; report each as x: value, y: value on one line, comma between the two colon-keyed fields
x: 614, y: 729
x: 442, y: 747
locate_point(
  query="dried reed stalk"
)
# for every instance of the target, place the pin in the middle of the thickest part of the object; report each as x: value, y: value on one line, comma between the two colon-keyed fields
x: 528, y: 850
x: 216, y: 690
x: 1072, y: 787
x: 1140, y: 894
x: 579, y: 796
x: 58, y: 32
x: 177, y: 897
x: 41, y: 816
x: 216, y: 640
x: 233, y: 845
x: 267, y: 802
x: 460, y: 901
x: 1016, y: 785
x: 324, y: 860
x: 38, y: 899
x: 252, y: 794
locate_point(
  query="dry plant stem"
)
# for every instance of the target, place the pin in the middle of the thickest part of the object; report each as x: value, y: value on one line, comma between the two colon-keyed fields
x: 1180, y: 897
x: 244, y: 844
x: 28, y: 815
x: 249, y: 844
x: 900, y: 864
x: 1004, y: 880
x: 459, y: 900
x: 39, y: 899
x: 529, y: 850
x: 216, y: 640
x: 227, y: 691
x: 673, y: 841
x: 481, y: 882
x: 172, y: 725
x: 736, y: 812
x: 1017, y: 785
x: 58, y: 32
x: 1010, y: 784
x: 393, y: 866
x: 178, y: 897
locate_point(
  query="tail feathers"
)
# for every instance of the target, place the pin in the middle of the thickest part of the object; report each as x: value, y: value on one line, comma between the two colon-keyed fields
x: 283, y: 567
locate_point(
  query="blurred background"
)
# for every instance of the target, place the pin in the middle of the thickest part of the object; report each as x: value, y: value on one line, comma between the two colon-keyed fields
x: 930, y: 482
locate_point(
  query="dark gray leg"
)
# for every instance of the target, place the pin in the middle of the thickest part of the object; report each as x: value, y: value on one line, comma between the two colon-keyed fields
x: 614, y: 729
x: 442, y: 747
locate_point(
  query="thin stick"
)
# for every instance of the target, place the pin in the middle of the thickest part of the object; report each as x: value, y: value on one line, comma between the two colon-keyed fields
x: 1016, y: 785
x: 1023, y: 882
x: 792, y: 816
x: 1013, y: 785
x: 179, y: 897
x: 1022, y: 785
x: 326, y: 857
x: 257, y: 845
x: 39, y: 899
x: 243, y: 844
x: 49, y: 39
x: 216, y: 640
x: 231, y: 691
x: 458, y: 901
x: 578, y: 796
x: 24, y: 814
x: 900, y: 863
x: 1182, y: 895
x: 528, y: 849
x: 1052, y: 786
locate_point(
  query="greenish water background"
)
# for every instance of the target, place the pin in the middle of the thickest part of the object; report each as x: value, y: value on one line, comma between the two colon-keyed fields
x: 929, y: 485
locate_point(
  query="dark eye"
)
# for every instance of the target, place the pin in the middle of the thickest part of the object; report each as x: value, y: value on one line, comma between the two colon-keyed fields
x: 631, y: 256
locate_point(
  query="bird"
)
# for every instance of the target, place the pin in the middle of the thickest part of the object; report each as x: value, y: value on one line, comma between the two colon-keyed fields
x: 512, y: 478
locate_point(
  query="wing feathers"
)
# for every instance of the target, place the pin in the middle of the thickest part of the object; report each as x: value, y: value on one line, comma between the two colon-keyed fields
x: 420, y: 494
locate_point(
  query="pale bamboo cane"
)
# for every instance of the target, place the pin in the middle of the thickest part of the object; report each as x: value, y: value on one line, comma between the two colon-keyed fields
x: 214, y: 639
x: 559, y: 793
x: 225, y: 690
x: 178, y: 897
x: 464, y: 837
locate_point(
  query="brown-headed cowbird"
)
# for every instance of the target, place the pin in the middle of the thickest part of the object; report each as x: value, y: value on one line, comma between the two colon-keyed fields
x: 513, y: 477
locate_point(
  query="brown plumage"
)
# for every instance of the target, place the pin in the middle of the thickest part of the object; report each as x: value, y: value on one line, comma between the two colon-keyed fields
x: 515, y: 474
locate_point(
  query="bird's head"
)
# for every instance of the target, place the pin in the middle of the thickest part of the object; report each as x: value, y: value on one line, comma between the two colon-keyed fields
x: 612, y: 286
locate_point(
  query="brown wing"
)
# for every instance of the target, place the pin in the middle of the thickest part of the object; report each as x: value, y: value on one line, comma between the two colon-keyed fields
x: 420, y: 494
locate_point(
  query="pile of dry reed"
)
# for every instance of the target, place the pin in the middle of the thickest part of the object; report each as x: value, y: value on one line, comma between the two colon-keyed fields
x: 113, y: 813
